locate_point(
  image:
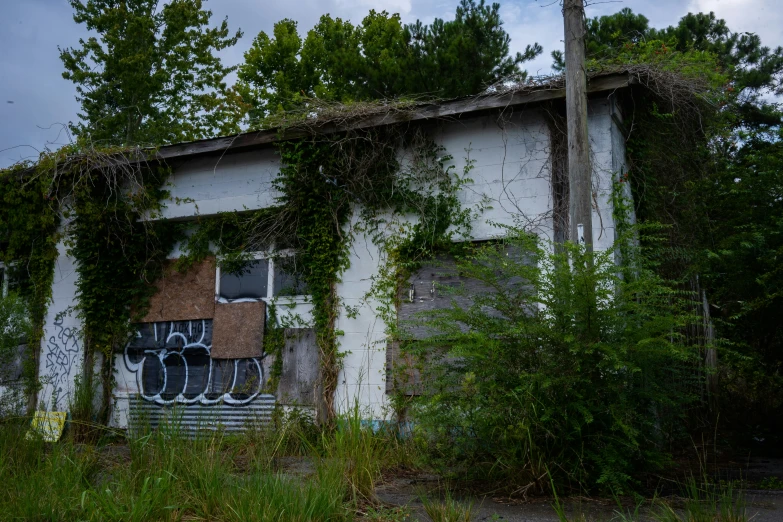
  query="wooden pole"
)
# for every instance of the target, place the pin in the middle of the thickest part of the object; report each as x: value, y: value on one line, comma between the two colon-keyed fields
x: 579, y: 170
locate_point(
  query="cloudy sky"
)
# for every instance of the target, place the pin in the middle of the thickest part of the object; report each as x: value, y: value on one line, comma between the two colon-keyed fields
x: 36, y: 102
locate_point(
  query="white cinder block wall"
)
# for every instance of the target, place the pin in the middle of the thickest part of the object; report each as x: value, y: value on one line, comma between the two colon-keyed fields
x: 62, y: 353
x: 511, y: 168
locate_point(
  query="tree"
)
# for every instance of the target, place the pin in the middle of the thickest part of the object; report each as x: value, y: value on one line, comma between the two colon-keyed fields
x: 150, y: 75
x: 465, y: 55
x: 604, y: 34
x: 713, y: 177
x: 754, y: 67
x: 380, y: 58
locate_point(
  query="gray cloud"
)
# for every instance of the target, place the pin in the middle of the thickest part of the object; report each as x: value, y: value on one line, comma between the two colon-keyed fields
x: 43, y: 101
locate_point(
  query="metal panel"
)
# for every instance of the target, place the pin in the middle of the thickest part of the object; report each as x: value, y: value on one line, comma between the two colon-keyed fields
x: 172, y: 365
x: 190, y: 419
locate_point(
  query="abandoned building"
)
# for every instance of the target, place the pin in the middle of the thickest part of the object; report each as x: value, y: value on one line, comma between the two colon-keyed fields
x: 199, y: 347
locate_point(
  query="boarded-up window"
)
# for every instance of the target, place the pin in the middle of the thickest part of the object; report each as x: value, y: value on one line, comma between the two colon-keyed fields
x: 13, y: 365
x: 172, y: 362
x: 184, y: 297
x: 434, y: 286
x: 300, y: 368
x: 238, y: 330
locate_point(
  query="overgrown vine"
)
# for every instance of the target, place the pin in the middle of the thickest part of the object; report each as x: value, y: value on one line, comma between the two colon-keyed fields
x: 101, y: 203
x: 110, y: 203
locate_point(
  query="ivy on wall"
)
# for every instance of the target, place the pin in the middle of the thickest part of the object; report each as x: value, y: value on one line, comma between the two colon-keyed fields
x: 28, y: 249
x: 387, y: 176
x: 99, y: 202
x: 107, y: 206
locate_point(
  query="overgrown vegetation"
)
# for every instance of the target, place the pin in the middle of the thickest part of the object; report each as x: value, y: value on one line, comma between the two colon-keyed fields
x: 149, y: 74
x: 713, y: 175
x: 540, y: 382
x: 378, y: 59
x: 538, y: 372
x: 163, y: 475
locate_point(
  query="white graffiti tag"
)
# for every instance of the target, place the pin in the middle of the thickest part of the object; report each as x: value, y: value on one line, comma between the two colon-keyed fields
x: 172, y: 364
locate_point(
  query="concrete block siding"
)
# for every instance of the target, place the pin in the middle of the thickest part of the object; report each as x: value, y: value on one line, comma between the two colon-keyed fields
x: 511, y: 172
x: 62, y: 350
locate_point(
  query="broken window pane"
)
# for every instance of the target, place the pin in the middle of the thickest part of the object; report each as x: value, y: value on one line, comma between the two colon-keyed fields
x: 248, y: 282
x: 289, y: 279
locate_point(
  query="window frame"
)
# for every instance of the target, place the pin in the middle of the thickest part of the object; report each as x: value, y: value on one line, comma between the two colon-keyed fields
x: 269, y: 255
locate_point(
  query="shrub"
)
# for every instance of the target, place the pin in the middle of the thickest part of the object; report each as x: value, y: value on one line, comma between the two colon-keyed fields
x: 568, y: 361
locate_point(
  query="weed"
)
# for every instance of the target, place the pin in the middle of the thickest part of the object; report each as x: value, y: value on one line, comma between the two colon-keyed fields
x: 83, y: 425
x: 771, y: 483
x: 705, y: 501
x: 447, y: 510
x: 387, y: 514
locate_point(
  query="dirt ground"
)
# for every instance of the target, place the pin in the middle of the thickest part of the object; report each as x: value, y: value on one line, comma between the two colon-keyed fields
x: 762, y: 505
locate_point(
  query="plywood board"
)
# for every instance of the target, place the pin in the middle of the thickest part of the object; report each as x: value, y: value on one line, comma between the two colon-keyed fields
x: 238, y: 330
x: 437, y: 285
x: 301, y: 363
x: 184, y: 297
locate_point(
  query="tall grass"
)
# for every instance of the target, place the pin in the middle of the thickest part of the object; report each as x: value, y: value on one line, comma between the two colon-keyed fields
x: 447, y: 509
x: 356, y: 449
x: 167, y: 474
x: 705, y: 500
x: 83, y: 411
x: 159, y: 475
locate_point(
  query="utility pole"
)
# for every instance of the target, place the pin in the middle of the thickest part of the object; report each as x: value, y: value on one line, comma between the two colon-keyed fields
x: 579, y: 170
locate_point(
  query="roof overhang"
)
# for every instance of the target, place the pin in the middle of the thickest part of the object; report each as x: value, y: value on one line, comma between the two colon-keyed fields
x: 454, y: 109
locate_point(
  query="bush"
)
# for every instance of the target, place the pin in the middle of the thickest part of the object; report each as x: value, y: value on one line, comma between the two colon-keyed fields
x: 568, y: 362
x: 15, y: 329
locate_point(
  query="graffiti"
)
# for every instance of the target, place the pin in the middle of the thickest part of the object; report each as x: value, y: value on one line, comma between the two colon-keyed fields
x: 62, y: 350
x: 173, y: 364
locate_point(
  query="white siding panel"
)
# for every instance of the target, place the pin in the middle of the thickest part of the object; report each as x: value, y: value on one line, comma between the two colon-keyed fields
x: 234, y: 182
x: 62, y: 350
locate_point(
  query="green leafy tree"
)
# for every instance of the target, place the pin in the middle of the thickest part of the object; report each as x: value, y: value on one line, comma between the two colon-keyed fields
x: 379, y: 58
x: 606, y: 34
x: 463, y: 56
x: 150, y: 75
x: 740, y: 264
x: 753, y: 66
x: 711, y: 171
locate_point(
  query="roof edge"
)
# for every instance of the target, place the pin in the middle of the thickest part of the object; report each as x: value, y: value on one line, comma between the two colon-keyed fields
x: 431, y: 111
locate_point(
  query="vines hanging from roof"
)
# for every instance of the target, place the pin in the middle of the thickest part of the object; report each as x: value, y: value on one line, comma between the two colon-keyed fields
x: 101, y: 203
x: 323, y: 180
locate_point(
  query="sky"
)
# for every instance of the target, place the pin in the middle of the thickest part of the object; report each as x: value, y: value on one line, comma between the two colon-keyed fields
x: 36, y: 103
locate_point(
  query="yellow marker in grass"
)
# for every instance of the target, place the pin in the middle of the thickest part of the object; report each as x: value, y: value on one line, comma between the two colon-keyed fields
x: 48, y: 425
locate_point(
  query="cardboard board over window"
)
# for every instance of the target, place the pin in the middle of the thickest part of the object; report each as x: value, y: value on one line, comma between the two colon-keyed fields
x: 184, y: 297
x: 238, y: 330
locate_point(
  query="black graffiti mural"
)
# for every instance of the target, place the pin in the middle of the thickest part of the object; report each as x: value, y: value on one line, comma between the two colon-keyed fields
x: 62, y: 351
x: 172, y: 364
